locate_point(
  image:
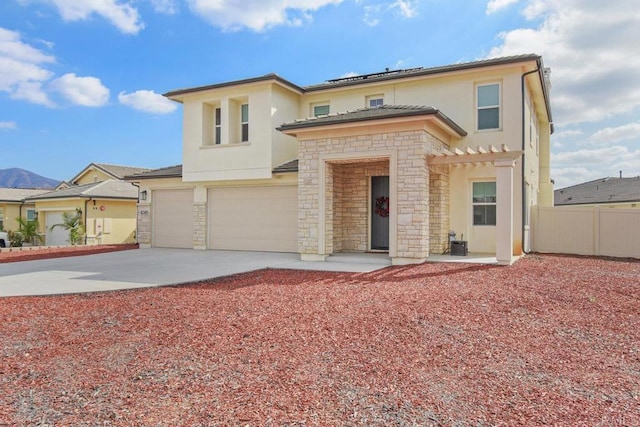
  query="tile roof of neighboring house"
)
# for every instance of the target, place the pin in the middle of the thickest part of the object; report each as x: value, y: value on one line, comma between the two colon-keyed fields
x: 18, y: 194
x: 290, y: 166
x: 166, y: 172
x: 379, y: 113
x: 603, y: 190
x: 109, y: 189
x: 115, y: 171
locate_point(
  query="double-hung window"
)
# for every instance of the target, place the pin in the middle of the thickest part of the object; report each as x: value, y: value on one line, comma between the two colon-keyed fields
x: 488, y: 106
x: 244, y: 122
x: 484, y: 203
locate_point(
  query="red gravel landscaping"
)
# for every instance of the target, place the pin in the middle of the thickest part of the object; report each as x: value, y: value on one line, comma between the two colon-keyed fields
x: 16, y: 254
x: 551, y: 340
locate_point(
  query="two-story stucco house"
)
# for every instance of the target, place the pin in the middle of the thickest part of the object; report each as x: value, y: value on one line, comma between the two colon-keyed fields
x: 391, y: 161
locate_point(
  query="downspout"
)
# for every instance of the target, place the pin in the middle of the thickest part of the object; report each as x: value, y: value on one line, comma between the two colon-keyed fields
x: 523, y: 189
x: 86, y: 213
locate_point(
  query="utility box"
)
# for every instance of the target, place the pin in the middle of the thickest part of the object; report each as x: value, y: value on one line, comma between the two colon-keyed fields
x: 459, y: 248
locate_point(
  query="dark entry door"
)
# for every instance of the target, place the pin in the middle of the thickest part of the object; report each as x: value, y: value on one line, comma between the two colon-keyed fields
x: 380, y: 212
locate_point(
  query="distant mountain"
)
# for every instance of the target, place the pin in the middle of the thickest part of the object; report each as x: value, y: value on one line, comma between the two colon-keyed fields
x: 20, y: 178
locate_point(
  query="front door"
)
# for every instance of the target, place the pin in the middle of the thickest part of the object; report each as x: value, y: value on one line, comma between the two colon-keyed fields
x: 380, y: 213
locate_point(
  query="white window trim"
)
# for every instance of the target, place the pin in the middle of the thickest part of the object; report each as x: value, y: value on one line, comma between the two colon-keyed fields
x: 478, y: 108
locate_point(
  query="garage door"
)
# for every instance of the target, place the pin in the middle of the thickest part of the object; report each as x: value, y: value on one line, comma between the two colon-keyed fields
x: 173, y: 218
x: 254, y: 218
x: 58, y: 236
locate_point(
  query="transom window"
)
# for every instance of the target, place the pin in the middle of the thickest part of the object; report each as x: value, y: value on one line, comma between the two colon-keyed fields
x: 488, y: 106
x: 320, y: 110
x: 484, y: 203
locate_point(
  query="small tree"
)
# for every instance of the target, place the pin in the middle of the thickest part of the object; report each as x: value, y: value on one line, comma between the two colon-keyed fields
x: 73, y: 224
x: 29, y: 230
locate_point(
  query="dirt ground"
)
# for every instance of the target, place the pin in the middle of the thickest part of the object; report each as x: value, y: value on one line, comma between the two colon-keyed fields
x: 551, y: 340
x: 15, y: 255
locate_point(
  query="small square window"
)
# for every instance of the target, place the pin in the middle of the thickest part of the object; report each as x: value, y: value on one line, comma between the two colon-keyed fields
x: 320, y: 110
x: 31, y: 215
x: 375, y: 102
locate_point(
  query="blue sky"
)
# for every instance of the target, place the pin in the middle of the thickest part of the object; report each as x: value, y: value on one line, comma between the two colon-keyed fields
x: 81, y: 80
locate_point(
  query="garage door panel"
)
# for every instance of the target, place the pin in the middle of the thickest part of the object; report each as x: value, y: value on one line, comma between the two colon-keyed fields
x: 173, y: 218
x: 58, y: 236
x: 253, y: 218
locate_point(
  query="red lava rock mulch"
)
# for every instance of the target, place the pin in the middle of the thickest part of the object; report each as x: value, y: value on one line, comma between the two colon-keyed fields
x: 60, y: 252
x: 549, y: 341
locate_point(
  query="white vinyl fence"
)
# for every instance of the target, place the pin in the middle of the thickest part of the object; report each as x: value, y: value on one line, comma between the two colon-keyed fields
x: 587, y: 231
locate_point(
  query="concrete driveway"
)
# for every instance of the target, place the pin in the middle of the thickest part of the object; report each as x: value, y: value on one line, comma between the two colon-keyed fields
x: 157, y: 267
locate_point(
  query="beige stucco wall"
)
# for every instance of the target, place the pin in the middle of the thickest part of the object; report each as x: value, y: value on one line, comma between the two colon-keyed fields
x: 116, y: 219
x: 11, y: 211
x: 92, y: 175
x: 233, y: 159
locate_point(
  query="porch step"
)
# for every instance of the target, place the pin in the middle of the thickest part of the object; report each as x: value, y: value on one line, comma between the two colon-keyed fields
x: 360, y: 258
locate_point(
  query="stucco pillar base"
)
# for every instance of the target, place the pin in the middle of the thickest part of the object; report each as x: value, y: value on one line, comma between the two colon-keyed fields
x: 406, y: 261
x: 200, y: 248
x: 144, y: 246
x: 509, y: 261
x: 313, y: 257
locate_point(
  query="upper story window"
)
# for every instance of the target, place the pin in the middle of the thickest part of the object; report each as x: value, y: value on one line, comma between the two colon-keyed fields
x: 375, y: 101
x: 484, y: 203
x: 244, y: 122
x: 320, y: 109
x: 488, y: 106
x: 217, y: 136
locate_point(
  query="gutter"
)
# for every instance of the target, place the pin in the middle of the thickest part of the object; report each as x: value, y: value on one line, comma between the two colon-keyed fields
x: 523, y: 184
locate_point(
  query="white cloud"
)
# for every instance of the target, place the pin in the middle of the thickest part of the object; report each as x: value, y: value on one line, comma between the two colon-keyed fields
x: 85, y: 91
x: 496, y: 5
x: 257, y: 15
x: 593, y: 50
x: 147, y: 101
x: 616, y: 134
x: 121, y: 14
x: 406, y: 8
x: 573, y: 167
x: 168, y: 7
x: 22, y: 68
x: 8, y: 125
x: 32, y: 92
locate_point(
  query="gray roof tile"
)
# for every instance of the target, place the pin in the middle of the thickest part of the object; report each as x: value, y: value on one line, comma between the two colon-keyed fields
x: 109, y: 189
x: 166, y: 172
x: 603, y: 190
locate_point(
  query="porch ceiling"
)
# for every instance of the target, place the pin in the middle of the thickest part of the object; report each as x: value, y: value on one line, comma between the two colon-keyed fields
x: 477, y: 156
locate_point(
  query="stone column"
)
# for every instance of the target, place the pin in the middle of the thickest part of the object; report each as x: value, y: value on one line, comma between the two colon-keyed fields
x: 200, y: 218
x: 143, y: 229
x: 438, y: 208
x: 504, y: 211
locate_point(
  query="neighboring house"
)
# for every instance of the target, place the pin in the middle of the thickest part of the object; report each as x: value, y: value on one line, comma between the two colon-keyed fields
x: 106, y: 203
x: 603, y: 192
x: 13, y: 205
x: 391, y: 161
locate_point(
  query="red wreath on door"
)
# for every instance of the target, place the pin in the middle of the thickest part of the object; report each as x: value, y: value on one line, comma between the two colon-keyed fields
x: 382, y: 206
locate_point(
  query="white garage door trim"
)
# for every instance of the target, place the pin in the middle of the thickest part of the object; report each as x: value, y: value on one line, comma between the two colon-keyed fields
x: 253, y: 218
x: 172, y: 218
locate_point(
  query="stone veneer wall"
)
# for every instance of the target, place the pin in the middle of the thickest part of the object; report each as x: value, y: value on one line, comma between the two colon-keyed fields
x: 412, y: 240
x: 438, y: 209
x: 200, y: 226
x: 143, y: 230
x: 351, y: 202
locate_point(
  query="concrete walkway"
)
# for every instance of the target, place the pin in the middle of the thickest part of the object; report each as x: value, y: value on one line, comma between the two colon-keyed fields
x: 157, y: 267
